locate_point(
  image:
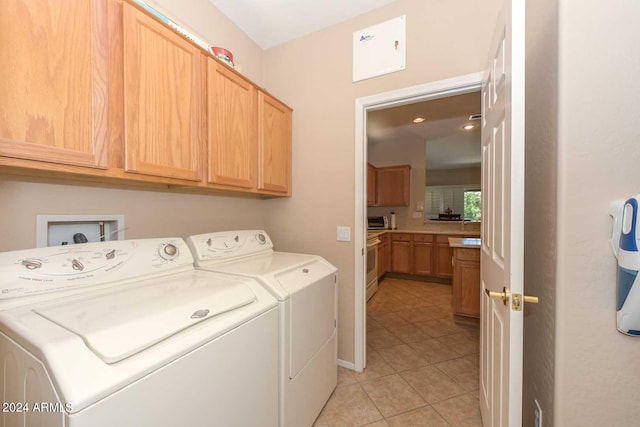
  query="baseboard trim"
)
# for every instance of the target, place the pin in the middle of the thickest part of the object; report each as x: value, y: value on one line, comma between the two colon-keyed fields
x: 345, y: 364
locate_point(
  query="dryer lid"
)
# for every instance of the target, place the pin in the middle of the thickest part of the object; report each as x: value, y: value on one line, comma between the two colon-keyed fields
x: 119, y: 324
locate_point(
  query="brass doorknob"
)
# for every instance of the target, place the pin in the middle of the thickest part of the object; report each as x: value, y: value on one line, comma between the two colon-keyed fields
x: 516, y: 299
x: 504, y: 295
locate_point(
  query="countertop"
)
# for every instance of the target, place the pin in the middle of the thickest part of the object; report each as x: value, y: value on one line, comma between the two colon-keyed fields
x: 376, y: 233
x: 459, y: 242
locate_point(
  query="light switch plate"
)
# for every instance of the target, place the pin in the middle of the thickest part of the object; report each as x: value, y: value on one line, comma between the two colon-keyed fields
x: 343, y: 234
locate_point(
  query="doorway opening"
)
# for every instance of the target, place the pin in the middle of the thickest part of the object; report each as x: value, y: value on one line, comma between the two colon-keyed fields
x: 430, y: 91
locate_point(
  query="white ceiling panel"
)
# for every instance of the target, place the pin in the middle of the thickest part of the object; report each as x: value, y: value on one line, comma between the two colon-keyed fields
x: 273, y: 22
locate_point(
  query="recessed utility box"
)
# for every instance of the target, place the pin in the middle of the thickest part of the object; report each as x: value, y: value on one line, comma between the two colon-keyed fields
x: 55, y: 230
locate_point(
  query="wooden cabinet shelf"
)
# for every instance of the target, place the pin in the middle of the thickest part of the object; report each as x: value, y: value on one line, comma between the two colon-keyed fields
x: 133, y: 101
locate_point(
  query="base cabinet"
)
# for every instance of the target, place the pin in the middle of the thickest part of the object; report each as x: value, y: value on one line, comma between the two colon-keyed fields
x: 383, y: 255
x: 401, y: 253
x: 421, y: 254
x: 466, y: 282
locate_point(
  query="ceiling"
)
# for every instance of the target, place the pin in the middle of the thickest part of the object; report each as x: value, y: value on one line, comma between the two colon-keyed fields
x: 448, y: 146
x: 272, y: 22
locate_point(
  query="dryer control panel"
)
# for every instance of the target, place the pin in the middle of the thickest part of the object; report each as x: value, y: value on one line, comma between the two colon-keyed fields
x: 58, y: 268
x: 228, y: 245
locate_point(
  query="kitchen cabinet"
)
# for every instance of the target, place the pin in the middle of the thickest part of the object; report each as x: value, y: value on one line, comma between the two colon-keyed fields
x: 423, y: 253
x: 401, y: 253
x: 383, y: 255
x: 109, y: 93
x: 54, y: 85
x: 274, y: 145
x: 371, y: 185
x: 162, y: 94
x: 412, y: 253
x: 443, y: 257
x: 466, y: 282
x: 232, y: 129
x: 393, y: 185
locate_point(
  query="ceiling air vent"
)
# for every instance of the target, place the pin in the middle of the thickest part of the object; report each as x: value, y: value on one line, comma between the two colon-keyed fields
x: 475, y: 116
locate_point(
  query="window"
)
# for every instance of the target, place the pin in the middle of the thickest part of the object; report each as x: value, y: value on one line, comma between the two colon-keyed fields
x: 472, y: 205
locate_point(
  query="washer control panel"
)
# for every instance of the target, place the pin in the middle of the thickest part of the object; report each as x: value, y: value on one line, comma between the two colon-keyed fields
x: 226, y: 245
x: 57, y: 268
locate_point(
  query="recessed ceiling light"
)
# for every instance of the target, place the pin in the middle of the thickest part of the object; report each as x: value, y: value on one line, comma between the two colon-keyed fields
x: 419, y: 120
x: 468, y: 127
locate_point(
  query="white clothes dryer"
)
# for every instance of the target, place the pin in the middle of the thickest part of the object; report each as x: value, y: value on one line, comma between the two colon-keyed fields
x: 306, y: 289
x: 129, y: 333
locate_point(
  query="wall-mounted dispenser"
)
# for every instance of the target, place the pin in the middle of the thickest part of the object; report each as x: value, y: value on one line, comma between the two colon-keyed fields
x: 624, y: 243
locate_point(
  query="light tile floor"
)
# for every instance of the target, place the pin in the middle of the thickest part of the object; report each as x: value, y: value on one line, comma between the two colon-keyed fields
x: 422, y: 366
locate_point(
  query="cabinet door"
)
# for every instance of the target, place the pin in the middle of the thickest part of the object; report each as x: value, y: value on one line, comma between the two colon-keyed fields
x: 423, y: 255
x: 466, y: 288
x: 371, y: 185
x: 274, y: 145
x: 383, y: 249
x: 232, y: 127
x: 443, y: 257
x: 393, y: 186
x: 53, y: 88
x: 162, y: 99
x: 400, y: 256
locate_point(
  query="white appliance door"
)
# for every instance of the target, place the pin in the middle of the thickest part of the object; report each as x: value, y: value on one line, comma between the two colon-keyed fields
x: 119, y: 324
x: 313, y: 316
x: 502, y: 250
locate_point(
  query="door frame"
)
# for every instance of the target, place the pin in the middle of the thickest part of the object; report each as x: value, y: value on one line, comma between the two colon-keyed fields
x: 409, y: 95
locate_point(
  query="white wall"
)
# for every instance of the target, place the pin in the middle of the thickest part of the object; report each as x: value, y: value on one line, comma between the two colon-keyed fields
x: 313, y: 75
x: 541, y: 208
x: 597, y: 369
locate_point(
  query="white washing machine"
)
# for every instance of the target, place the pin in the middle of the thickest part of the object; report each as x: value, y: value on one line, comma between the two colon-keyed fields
x: 129, y: 333
x: 306, y: 288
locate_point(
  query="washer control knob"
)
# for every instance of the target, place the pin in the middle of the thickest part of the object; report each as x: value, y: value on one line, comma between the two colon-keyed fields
x: 169, y: 251
x: 77, y: 265
x: 31, y: 264
x: 111, y: 254
x: 261, y: 239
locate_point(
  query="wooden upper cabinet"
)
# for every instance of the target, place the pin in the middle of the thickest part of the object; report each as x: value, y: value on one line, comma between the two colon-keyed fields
x: 274, y: 145
x: 371, y: 185
x: 53, y: 89
x: 162, y: 99
x: 232, y: 127
x: 393, y: 185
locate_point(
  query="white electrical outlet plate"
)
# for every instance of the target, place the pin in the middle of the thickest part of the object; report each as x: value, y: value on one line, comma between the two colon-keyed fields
x: 537, y: 421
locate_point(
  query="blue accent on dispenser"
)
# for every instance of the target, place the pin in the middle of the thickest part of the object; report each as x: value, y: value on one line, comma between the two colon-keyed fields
x: 624, y: 242
x: 628, y: 241
x: 625, y: 282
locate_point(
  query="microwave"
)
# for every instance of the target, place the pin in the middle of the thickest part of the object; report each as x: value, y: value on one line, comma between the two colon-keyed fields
x: 377, y: 222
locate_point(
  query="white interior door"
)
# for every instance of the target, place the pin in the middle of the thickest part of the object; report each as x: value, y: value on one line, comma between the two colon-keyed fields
x: 502, y: 223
